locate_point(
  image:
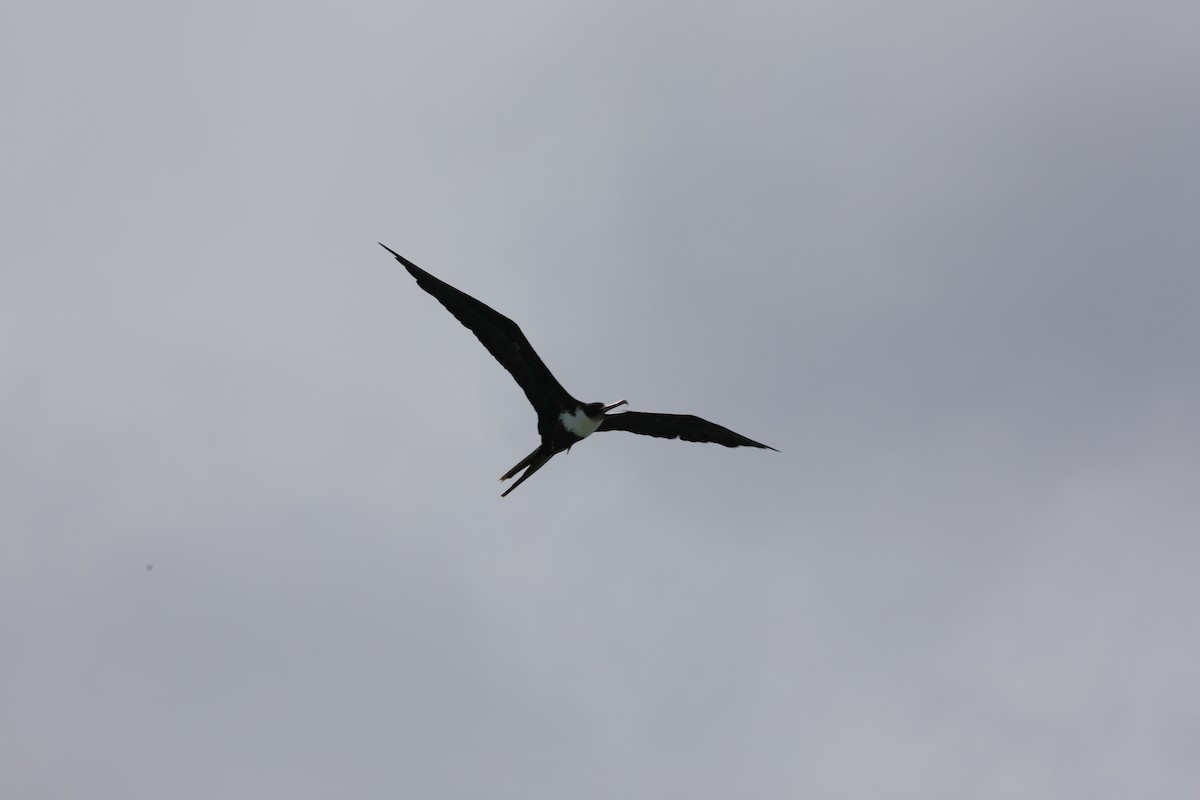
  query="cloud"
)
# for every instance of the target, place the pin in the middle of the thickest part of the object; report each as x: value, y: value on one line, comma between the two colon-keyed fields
x: 941, y: 258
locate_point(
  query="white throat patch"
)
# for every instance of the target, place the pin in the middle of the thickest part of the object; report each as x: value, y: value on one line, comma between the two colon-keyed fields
x: 579, y: 423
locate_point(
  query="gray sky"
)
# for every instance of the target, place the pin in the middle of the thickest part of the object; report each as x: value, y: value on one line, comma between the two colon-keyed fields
x: 942, y: 255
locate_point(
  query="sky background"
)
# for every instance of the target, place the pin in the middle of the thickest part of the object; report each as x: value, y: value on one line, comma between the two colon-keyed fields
x: 944, y: 256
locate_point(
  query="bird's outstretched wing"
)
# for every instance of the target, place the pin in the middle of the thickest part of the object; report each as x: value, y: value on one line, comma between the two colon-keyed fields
x: 687, y: 427
x: 503, y: 339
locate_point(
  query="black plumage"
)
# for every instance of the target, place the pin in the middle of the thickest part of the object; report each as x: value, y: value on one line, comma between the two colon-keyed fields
x: 687, y: 427
x: 562, y: 420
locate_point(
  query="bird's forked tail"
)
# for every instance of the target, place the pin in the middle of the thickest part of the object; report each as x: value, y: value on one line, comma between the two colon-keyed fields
x: 534, y: 461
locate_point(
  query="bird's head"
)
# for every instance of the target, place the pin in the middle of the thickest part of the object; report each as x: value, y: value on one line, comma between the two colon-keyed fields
x: 594, y: 410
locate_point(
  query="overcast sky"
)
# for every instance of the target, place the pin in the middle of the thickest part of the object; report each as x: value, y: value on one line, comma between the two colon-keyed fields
x: 944, y: 256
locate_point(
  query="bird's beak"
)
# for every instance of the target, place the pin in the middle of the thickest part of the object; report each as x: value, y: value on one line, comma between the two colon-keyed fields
x: 611, y: 406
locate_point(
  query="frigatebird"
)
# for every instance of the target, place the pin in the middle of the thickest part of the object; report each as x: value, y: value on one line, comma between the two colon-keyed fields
x: 562, y: 420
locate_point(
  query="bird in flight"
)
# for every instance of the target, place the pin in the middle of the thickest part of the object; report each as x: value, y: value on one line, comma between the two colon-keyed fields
x: 562, y: 420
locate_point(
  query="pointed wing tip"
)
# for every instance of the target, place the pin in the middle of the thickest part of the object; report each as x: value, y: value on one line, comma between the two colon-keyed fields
x: 412, y: 268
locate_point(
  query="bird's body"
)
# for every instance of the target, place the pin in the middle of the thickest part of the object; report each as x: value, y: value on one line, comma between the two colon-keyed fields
x: 562, y: 420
